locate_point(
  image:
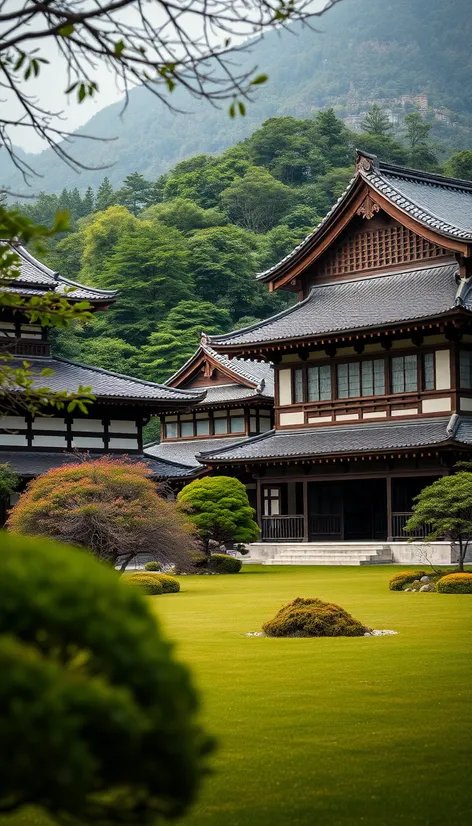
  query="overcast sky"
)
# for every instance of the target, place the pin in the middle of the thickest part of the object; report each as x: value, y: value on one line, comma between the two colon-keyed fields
x: 49, y: 87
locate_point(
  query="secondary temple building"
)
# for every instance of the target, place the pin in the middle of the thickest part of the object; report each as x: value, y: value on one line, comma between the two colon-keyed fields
x: 237, y: 403
x: 372, y: 366
x: 122, y: 406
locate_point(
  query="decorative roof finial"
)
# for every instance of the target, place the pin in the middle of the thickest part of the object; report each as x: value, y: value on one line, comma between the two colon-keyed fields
x: 203, y: 338
x: 365, y: 161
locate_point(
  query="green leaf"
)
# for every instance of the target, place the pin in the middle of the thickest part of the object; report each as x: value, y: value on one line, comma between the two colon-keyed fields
x: 241, y: 107
x: 232, y: 110
x: 119, y: 48
x: 67, y: 30
x: 259, y: 80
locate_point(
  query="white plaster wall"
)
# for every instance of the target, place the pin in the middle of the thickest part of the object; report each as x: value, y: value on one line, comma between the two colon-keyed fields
x: 443, y: 370
x: 285, y: 386
x: 88, y: 441
x: 347, y: 417
x: 466, y: 404
x: 123, y: 444
x: 320, y: 419
x: 120, y: 426
x: 292, y: 418
x: 439, y: 553
x: 436, y: 405
x: 408, y: 411
x: 42, y: 423
x: 13, y: 422
x: 12, y: 439
x: 375, y: 414
x: 87, y: 426
x: 49, y: 441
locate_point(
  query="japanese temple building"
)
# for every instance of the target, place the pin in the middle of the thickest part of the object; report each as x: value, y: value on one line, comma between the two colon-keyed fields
x: 122, y: 406
x: 237, y: 403
x: 372, y: 365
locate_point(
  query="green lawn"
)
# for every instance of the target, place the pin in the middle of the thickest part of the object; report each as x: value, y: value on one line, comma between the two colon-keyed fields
x: 371, y: 731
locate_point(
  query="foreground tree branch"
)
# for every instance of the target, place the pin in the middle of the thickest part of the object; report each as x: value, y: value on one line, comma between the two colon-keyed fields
x: 161, y: 44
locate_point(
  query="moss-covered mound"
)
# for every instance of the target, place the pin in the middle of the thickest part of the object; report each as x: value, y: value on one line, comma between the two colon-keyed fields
x: 455, y: 584
x: 148, y: 582
x: 398, y: 581
x: 313, y: 618
x: 224, y: 564
x: 170, y: 584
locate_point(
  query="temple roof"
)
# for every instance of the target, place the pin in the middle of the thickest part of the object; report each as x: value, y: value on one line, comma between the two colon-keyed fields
x: 36, y: 278
x: 348, y: 439
x: 184, y: 451
x: 246, y: 378
x: 106, y: 384
x: 433, y: 201
x: 361, y: 304
x: 29, y: 463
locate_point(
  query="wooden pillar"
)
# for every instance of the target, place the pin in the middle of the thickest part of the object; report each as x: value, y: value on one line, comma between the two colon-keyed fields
x: 258, y: 504
x: 305, y: 511
x: 389, y: 509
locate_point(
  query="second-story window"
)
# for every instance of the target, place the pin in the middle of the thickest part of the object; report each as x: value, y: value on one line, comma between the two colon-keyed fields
x: 319, y: 383
x: 404, y: 374
x: 428, y: 371
x: 298, y: 385
x: 203, y: 427
x: 349, y: 380
x: 466, y: 369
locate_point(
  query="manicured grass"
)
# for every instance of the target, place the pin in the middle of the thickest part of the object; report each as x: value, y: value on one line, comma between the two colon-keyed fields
x: 332, y: 732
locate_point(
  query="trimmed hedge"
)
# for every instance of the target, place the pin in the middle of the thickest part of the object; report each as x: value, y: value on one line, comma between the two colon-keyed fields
x: 170, y: 585
x: 152, y: 566
x: 398, y: 581
x: 149, y: 583
x: 224, y: 564
x: 455, y: 584
x: 313, y: 618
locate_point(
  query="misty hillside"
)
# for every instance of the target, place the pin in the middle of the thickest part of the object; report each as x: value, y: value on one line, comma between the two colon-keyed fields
x: 366, y: 50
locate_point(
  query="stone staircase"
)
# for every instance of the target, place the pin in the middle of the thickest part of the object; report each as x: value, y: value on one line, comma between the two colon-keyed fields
x: 319, y: 553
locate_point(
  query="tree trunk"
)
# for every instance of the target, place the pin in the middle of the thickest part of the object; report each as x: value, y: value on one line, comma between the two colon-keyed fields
x: 126, y: 562
x: 462, y: 552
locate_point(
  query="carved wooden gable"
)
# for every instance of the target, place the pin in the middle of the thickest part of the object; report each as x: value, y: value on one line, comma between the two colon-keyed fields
x: 374, y: 241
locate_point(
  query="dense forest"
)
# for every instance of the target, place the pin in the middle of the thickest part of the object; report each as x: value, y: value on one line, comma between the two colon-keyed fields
x: 183, y: 250
x: 362, y: 51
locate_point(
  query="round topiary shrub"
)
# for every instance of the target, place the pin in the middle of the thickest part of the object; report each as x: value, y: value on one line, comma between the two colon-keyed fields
x: 224, y: 564
x: 398, y: 582
x: 83, y: 689
x: 455, y: 584
x: 152, y: 566
x: 149, y: 583
x: 313, y: 618
x: 170, y: 585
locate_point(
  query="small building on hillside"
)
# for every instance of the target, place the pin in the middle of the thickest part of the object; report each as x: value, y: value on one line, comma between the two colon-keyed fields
x: 122, y: 406
x: 238, y: 398
x: 373, y: 365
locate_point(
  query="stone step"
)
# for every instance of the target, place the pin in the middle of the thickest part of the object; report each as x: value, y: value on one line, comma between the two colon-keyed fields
x: 320, y: 553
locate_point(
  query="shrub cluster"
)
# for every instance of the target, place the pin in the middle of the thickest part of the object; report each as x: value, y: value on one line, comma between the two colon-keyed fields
x: 149, y: 583
x: 152, y: 566
x: 398, y: 581
x: 313, y: 618
x: 170, y: 585
x: 224, y: 564
x: 455, y: 584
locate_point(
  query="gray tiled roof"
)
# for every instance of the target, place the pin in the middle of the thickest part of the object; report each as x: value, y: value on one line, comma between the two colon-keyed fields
x: 221, y: 393
x: 184, y: 451
x: 36, y: 278
x: 105, y: 384
x: 359, y: 304
x: 358, y: 438
x: 30, y: 463
x: 444, y: 204
x: 258, y: 373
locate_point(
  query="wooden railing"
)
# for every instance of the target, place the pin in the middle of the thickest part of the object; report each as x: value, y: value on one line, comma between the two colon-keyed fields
x: 282, y: 527
x: 326, y: 524
x: 399, y: 521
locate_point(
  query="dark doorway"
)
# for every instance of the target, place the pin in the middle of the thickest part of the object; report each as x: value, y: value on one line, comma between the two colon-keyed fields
x: 353, y: 510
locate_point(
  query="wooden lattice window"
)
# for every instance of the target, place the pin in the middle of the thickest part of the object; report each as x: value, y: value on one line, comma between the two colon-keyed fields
x: 378, y: 248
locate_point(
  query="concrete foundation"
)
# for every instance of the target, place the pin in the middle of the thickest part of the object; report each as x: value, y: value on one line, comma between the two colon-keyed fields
x: 352, y: 553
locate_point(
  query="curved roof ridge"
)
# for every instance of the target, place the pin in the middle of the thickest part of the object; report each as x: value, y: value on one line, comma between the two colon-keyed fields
x: 374, y: 175
x: 433, y: 178
x: 194, y: 394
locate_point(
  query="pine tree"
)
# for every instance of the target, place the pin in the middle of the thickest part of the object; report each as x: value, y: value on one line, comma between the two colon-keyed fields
x: 88, y: 202
x: 136, y: 192
x: 376, y: 121
x: 105, y: 196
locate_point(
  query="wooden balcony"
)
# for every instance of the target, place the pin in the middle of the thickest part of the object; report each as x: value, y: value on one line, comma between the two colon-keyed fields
x: 399, y: 521
x: 282, y: 527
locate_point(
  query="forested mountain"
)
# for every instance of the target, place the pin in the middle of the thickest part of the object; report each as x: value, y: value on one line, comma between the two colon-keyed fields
x: 366, y: 50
